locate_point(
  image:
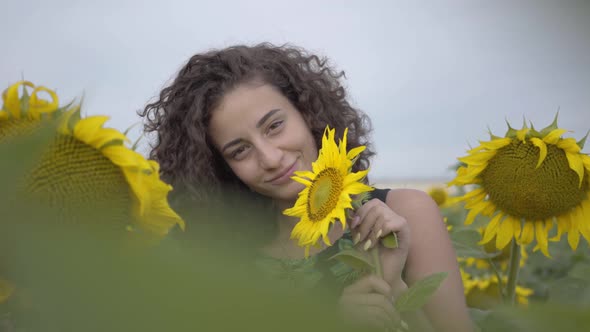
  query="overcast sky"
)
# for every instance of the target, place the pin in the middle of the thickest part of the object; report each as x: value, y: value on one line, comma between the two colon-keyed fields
x: 432, y: 75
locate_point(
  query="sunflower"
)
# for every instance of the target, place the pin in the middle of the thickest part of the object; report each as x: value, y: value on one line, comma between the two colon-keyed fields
x: 483, y: 292
x: 526, y: 182
x: 439, y: 195
x: 87, y: 166
x: 22, y: 115
x: 327, y: 191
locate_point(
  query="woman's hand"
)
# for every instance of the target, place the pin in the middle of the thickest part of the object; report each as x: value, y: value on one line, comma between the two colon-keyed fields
x: 375, y: 220
x: 368, y: 303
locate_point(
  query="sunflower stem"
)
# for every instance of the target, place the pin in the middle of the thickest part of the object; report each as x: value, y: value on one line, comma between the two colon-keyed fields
x: 513, y: 272
x: 377, y: 261
x: 499, y: 276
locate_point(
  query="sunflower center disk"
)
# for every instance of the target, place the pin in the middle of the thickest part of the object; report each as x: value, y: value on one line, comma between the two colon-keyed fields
x: 324, y: 194
x: 81, y: 182
x: 10, y: 129
x: 516, y: 187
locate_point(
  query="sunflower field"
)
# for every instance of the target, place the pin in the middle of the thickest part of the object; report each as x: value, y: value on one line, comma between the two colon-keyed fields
x: 89, y: 242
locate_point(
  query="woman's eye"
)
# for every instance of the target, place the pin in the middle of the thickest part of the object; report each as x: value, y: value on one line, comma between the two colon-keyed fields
x: 275, y: 125
x: 237, y: 152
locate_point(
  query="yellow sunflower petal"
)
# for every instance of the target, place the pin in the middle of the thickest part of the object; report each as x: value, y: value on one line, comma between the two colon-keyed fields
x: 301, y: 180
x: 353, y: 153
x: 542, y: 149
x: 478, y: 158
x: 472, y: 172
x: 586, y: 161
x: 554, y: 136
x: 305, y: 174
x: 86, y: 129
x: 584, y: 217
x: 471, y: 202
x: 471, y: 194
x: 576, y: 164
x: 39, y: 106
x: 123, y: 156
x: 563, y: 226
x: 475, y: 211
x: 573, y: 236
x: 541, y: 236
x: 568, y: 145
x: 496, y: 144
x: 11, y: 99
x: 528, y: 233
x: 505, y: 232
x: 521, y: 134
x: 491, y: 229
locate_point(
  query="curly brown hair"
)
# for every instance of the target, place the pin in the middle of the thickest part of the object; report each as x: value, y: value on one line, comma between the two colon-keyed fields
x: 180, y: 117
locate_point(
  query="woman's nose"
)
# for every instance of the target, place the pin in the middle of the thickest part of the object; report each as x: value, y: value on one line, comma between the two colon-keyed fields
x: 270, y: 156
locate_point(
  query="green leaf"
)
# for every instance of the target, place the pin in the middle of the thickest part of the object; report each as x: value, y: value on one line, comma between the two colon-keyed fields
x: 550, y: 127
x: 356, y: 259
x: 113, y: 142
x: 465, y: 243
x: 478, y: 316
x: 360, y: 199
x: 390, y: 241
x: 583, y: 140
x: 419, y: 293
x: 568, y: 290
x: 580, y: 271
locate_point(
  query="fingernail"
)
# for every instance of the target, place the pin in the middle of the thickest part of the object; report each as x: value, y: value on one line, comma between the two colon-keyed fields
x: 379, y: 234
x: 357, y: 238
x: 367, y: 244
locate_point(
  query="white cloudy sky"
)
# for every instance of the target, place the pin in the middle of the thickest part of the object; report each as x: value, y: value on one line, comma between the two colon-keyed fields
x: 433, y: 75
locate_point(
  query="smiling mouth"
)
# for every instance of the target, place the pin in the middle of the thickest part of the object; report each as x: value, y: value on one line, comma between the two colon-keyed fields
x: 284, y: 176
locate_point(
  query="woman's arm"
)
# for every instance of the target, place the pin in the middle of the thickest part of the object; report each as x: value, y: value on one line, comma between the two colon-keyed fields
x: 430, y: 251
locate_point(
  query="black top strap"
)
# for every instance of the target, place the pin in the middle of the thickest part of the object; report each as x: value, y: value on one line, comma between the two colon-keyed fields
x: 380, y: 194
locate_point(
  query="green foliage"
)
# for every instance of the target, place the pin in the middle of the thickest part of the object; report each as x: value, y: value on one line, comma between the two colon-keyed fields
x: 561, y: 284
x: 419, y: 293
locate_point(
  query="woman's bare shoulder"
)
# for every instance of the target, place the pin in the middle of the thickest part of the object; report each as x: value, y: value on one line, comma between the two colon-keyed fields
x: 410, y: 201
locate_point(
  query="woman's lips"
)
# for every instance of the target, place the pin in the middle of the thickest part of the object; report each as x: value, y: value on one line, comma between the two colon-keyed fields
x: 285, y: 176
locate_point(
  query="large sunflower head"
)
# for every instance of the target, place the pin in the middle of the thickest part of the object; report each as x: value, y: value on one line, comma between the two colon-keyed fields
x: 482, y: 291
x: 526, y: 182
x: 327, y: 191
x: 87, y: 167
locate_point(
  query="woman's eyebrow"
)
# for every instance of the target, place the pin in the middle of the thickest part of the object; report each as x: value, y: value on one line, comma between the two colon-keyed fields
x: 266, y: 116
x: 230, y: 144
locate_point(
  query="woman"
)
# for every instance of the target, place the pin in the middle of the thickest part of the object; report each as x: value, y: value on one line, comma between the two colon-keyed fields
x: 243, y: 119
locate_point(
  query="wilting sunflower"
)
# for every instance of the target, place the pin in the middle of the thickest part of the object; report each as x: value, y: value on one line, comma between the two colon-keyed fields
x: 483, y: 292
x: 87, y: 167
x: 327, y: 191
x: 526, y: 181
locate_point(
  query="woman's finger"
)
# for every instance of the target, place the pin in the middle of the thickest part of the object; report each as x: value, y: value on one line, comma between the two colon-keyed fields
x: 369, y: 284
x: 373, y: 300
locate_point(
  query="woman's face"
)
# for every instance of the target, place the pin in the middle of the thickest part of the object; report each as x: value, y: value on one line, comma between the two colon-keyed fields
x: 264, y: 139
